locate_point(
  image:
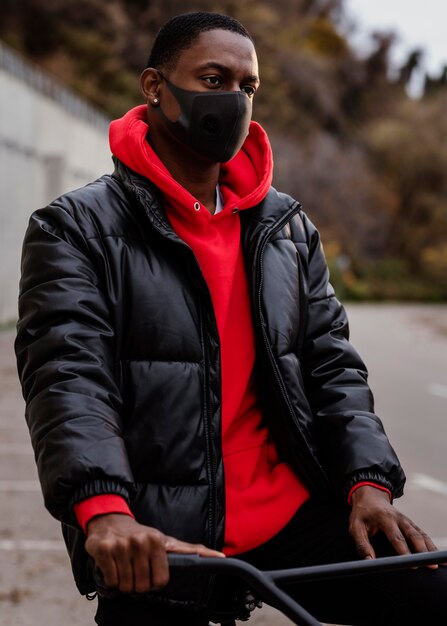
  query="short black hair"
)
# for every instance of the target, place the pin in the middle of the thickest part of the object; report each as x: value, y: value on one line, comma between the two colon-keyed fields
x: 181, y: 31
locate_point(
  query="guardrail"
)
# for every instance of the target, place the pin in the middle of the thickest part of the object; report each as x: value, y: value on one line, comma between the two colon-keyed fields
x: 47, y: 85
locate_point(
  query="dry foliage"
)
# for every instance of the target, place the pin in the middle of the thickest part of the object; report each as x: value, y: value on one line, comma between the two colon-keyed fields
x: 367, y: 161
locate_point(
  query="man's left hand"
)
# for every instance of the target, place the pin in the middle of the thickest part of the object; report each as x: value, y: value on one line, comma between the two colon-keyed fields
x: 372, y: 512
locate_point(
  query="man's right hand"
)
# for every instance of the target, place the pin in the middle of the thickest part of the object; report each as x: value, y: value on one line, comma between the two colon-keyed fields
x: 133, y: 557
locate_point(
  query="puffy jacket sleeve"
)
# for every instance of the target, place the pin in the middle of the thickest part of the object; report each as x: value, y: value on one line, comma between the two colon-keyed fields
x: 65, y: 354
x: 351, y: 437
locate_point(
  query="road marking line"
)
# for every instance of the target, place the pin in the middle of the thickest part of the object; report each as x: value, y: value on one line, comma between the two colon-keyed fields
x: 19, y: 485
x: 25, y: 545
x: 422, y: 481
x: 16, y: 448
x: 438, y: 390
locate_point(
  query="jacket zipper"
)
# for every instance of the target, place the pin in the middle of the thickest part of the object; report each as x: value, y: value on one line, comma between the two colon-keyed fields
x: 259, y: 277
x: 211, y: 461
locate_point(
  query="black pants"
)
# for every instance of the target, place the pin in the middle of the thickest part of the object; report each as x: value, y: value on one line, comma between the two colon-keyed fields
x: 319, y: 534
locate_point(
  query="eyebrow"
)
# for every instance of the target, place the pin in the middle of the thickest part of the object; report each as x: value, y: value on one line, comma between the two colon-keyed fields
x: 224, y: 68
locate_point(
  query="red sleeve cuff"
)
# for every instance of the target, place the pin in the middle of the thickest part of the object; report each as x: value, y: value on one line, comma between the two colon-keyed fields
x: 363, y: 484
x: 100, y: 505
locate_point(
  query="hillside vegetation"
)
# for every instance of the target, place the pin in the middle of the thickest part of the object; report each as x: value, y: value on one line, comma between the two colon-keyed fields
x: 368, y: 162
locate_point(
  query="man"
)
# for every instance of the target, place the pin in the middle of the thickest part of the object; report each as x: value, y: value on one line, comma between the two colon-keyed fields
x: 189, y: 382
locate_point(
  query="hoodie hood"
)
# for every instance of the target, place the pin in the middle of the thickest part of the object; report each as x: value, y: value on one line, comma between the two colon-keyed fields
x: 244, y: 181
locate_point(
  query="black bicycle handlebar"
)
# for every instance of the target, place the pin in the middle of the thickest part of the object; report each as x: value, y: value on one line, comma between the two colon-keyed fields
x: 265, y: 582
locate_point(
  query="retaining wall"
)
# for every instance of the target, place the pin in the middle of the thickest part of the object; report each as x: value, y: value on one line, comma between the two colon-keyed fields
x: 51, y: 141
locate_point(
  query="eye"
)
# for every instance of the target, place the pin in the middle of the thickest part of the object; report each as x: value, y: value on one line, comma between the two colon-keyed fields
x: 249, y: 90
x: 213, y: 81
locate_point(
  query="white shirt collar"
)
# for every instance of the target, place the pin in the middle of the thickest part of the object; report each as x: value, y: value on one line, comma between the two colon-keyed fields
x: 219, y: 203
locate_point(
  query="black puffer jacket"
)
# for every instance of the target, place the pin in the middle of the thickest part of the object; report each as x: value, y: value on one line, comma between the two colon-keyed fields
x: 118, y: 354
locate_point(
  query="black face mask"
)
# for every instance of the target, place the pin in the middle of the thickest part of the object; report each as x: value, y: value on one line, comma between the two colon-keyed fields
x: 214, y: 125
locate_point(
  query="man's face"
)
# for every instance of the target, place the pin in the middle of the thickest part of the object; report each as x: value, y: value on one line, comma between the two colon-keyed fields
x: 219, y: 60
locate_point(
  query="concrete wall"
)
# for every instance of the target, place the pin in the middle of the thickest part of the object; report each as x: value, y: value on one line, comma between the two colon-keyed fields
x: 51, y: 141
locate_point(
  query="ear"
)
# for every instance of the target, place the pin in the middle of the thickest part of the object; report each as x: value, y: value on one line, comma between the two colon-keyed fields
x: 150, y: 83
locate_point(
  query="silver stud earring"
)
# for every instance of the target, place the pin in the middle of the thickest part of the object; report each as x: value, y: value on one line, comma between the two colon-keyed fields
x: 155, y: 101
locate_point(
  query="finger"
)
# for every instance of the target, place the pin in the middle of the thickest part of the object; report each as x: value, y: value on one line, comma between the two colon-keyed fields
x: 125, y: 576
x: 159, y: 568
x: 108, y: 571
x: 102, y: 554
x: 431, y: 547
x: 182, y: 547
x: 414, y: 539
x: 125, y: 569
x: 419, y: 540
x: 396, y: 538
x: 204, y: 551
x: 359, y: 533
x: 141, y: 572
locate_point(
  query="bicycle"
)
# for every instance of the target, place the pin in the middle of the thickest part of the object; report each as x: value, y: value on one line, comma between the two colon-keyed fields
x: 264, y: 584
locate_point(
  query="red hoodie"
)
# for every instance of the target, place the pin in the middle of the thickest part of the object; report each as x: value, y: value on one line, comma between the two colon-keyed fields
x: 262, y: 492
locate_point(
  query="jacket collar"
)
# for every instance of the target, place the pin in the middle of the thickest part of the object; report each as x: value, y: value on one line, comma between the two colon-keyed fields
x: 263, y: 217
x: 147, y: 194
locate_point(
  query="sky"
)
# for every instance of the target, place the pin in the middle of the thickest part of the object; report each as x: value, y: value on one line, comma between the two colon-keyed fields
x: 418, y: 23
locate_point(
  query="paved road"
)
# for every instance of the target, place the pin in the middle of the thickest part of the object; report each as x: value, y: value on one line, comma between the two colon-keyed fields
x: 406, y: 350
